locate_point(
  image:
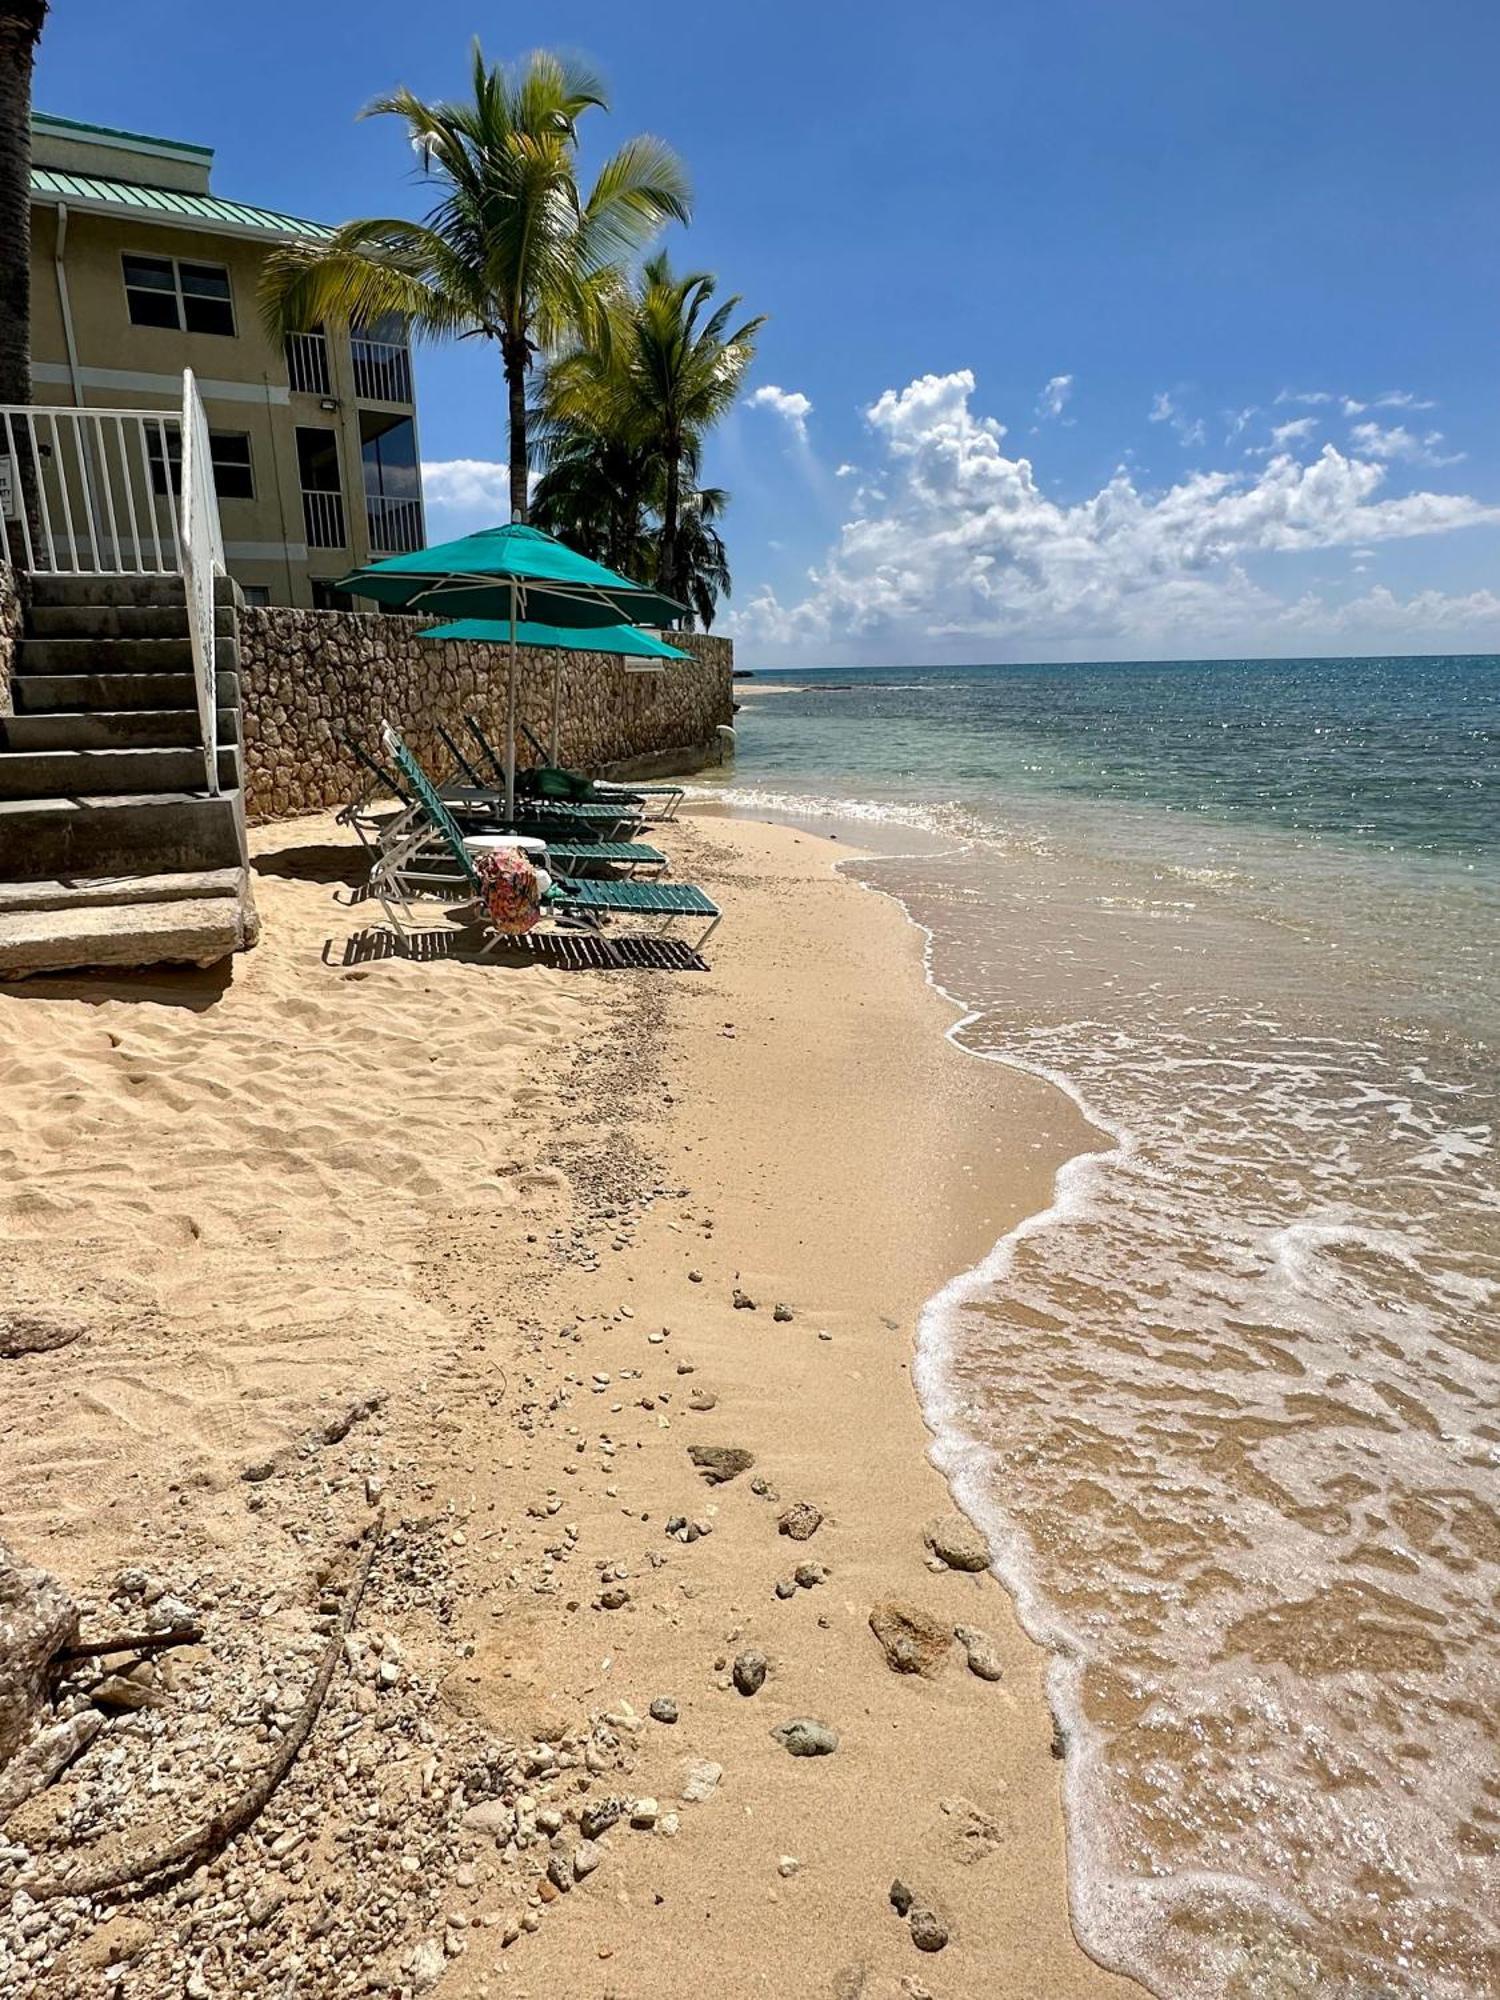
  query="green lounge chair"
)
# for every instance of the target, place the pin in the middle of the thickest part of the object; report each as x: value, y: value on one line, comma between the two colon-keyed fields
x: 411, y: 869
x: 548, y: 781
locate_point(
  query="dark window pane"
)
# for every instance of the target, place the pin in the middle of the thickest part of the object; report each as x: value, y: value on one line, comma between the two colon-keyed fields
x: 152, y: 308
x: 326, y: 598
x: 174, y: 461
x: 208, y: 315
x: 231, y: 456
x: 389, y: 451
x: 317, y: 460
x: 204, y: 281
x: 153, y: 273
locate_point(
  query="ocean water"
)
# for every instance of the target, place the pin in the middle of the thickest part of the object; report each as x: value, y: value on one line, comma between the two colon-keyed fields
x: 1229, y: 1409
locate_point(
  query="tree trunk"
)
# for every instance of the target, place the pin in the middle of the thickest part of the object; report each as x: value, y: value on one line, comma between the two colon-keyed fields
x: 20, y: 26
x: 671, y: 510
x: 517, y: 361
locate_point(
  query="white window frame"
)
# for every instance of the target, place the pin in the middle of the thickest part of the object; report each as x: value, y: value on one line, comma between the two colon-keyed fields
x: 240, y: 499
x: 159, y: 257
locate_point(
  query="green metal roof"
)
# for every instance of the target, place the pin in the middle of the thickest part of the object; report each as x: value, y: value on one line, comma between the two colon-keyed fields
x: 48, y: 121
x: 166, y: 204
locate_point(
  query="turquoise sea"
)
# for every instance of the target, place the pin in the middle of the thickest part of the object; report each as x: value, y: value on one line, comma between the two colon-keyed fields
x: 1230, y: 1410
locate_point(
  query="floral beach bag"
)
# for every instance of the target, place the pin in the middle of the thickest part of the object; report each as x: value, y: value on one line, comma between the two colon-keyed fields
x: 510, y: 891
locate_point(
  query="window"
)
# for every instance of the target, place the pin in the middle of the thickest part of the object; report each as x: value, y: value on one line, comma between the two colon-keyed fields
x: 191, y: 298
x: 229, y: 450
x: 326, y: 598
x: 257, y: 595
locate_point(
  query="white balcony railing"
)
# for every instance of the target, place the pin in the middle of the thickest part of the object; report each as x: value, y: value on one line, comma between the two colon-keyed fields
x: 307, y: 363
x: 120, y: 493
x: 395, y: 525
x: 323, y: 520
x: 382, y: 370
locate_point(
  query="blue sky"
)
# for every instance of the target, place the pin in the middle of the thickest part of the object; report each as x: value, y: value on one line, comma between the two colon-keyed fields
x: 1048, y: 284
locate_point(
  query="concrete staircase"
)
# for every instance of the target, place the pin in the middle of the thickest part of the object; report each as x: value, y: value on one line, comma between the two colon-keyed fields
x: 112, y: 851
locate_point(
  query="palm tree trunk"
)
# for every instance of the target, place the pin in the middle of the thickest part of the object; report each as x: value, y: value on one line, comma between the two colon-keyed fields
x: 517, y: 360
x: 20, y: 28
x: 671, y: 510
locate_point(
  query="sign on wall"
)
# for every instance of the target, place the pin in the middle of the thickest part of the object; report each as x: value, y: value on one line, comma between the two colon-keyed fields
x: 10, y: 491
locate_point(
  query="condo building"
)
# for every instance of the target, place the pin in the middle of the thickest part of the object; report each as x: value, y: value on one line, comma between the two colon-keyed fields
x: 139, y: 271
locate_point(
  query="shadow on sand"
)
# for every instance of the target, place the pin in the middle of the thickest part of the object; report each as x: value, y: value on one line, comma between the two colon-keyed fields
x: 191, y: 987
x: 568, y: 951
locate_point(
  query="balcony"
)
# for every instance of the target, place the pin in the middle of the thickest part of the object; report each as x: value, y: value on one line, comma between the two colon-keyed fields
x: 382, y: 370
x: 323, y: 520
x: 307, y: 363
x: 396, y: 526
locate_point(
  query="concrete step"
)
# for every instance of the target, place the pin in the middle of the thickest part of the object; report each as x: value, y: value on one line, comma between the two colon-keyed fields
x: 52, y: 774
x: 116, y: 834
x: 105, y: 656
x: 118, y: 621
x: 190, y: 885
x: 113, y: 729
x: 104, y: 590
x: 43, y: 694
x: 194, y: 932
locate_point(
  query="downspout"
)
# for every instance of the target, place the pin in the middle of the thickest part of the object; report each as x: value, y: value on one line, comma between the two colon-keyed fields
x: 59, y: 260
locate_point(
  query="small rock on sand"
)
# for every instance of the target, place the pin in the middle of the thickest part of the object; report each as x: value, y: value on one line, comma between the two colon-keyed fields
x: 586, y: 1858
x: 720, y: 1462
x: 663, y: 1709
x: 743, y: 1301
x: 901, y: 1897
x: 957, y: 1542
x: 782, y: 1313
x: 700, y: 1781
x: 983, y: 1654
x: 928, y: 1931
x: 749, y: 1671
x: 805, y: 1736
x: 801, y: 1521
x: 703, y: 1400
x: 914, y: 1642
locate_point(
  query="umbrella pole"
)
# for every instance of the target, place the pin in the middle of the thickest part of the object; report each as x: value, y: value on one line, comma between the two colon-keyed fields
x: 556, y: 711
x: 510, y: 720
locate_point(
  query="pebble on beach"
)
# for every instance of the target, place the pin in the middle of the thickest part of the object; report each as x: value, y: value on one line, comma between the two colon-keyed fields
x: 913, y: 1640
x: 801, y: 1521
x: 957, y: 1542
x: 664, y: 1709
x: 720, y: 1463
x: 981, y: 1651
x: 749, y: 1671
x: 928, y: 1931
x: 805, y: 1736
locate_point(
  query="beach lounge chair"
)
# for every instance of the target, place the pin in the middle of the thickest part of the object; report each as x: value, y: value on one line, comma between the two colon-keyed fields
x: 660, y: 802
x: 413, y: 868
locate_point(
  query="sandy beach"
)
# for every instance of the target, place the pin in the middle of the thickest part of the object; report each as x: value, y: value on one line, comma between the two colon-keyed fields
x: 516, y: 1259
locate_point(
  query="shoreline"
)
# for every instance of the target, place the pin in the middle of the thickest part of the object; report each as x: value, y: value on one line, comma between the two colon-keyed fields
x: 577, y: 1148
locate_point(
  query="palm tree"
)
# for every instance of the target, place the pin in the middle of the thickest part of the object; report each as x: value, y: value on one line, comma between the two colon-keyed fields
x: 684, y: 373
x: 20, y: 30
x: 595, y: 493
x: 622, y: 418
x: 702, y: 561
x: 511, y: 251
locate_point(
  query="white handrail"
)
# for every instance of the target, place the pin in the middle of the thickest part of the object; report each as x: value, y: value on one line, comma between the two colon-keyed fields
x: 202, y: 564
x: 99, y: 483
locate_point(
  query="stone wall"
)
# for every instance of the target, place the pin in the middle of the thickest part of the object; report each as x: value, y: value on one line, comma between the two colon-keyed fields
x: 10, y: 631
x: 308, y: 676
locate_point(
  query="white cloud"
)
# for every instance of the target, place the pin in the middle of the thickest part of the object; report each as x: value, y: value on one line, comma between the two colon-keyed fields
x: 1164, y: 410
x: 789, y: 404
x: 965, y: 556
x: 846, y: 471
x: 1403, y: 399
x: 1371, y: 441
x: 1292, y: 432
x: 477, y: 488
x: 1053, y: 398
x: 1305, y: 396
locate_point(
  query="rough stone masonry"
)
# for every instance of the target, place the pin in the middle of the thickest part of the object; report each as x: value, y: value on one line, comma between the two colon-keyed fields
x: 311, y: 678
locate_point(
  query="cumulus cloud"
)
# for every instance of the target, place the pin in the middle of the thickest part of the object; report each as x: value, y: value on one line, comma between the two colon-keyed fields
x: 1294, y: 431
x: 846, y: 471
x: 1054, y: 396
x: 1370, y: 440
x: 789, y: 404
x: 476, y: 488
x: 965, y: 555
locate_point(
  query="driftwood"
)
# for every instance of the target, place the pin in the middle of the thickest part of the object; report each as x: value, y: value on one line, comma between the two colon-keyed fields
x: 133, y: 1642
x: 195, y: 1848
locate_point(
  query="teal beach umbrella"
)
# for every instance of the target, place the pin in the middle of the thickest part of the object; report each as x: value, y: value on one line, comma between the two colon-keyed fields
x: 516, y: 575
